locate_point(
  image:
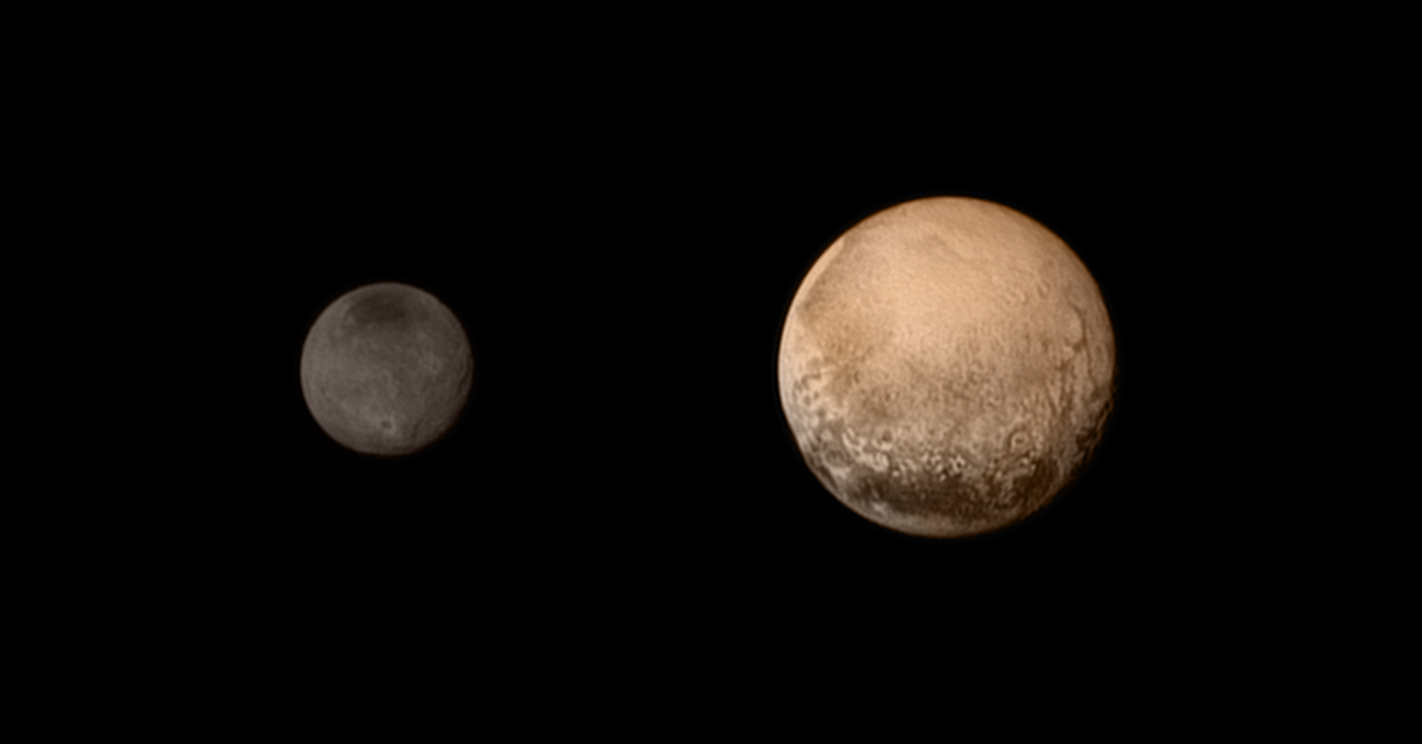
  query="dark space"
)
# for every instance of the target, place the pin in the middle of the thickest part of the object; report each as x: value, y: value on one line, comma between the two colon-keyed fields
x: 624, y: 445
x: 623, y: 474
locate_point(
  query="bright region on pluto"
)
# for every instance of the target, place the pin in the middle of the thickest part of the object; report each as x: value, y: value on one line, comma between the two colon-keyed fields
x: 947, y: 366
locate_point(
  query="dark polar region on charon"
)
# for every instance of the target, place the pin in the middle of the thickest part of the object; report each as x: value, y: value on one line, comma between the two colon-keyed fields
x: 947, y: 367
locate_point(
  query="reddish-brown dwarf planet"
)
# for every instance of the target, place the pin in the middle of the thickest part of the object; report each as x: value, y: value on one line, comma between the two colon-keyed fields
x: 386, y: 369
x: 947, y: 366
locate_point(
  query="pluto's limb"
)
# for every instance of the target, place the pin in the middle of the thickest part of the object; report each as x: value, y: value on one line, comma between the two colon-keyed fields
x: 947, y: 366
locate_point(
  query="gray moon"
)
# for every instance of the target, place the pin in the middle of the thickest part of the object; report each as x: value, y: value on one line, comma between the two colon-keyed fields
x: 386, y: 369
x: 947, y: 366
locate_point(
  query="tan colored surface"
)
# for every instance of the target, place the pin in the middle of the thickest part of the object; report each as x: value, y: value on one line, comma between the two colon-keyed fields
x: 946, y: 366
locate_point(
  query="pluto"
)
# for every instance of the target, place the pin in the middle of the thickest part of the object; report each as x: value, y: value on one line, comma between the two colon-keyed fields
x: 386, y: 369
x: 947, y: 366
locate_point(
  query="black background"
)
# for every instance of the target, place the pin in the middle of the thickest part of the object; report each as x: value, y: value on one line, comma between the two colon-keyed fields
x: 622, y: 257
x: 620, y: 220
x: 624, y: 291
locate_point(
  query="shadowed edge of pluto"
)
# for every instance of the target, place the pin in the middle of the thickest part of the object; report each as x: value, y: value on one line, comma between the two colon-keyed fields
x: 938, y: 425
x: 378, y: 328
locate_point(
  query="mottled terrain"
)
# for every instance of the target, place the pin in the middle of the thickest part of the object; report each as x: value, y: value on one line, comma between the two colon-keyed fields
x: 946, y: 367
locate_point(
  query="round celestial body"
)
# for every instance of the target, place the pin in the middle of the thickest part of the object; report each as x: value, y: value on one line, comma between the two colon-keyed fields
x: 386, y: 369
x: 947, y: 366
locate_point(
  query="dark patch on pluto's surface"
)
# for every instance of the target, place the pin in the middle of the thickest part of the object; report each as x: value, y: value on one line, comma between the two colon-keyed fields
x: 989, y: 504
x: 944, y: 490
